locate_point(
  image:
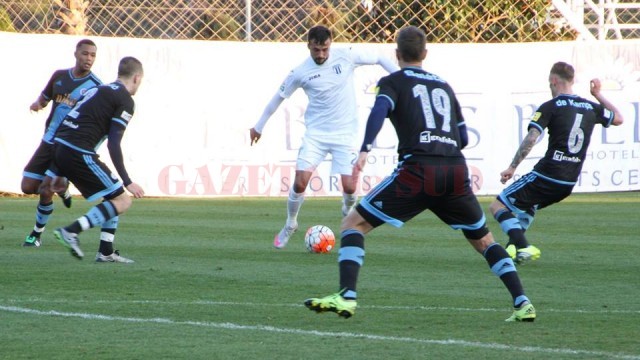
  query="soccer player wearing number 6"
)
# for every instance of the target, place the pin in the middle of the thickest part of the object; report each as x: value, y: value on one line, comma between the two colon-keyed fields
x: 432, y: 174
x: 570, y: 120
x: 103, y: 112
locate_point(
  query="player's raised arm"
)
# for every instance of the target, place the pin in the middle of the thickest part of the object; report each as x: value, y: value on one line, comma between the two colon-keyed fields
x: 596, y: 86
x: 373, y: 58
x: 388, y: 64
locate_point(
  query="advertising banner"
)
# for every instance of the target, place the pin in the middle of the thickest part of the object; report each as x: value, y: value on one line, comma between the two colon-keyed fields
x: 189, y: 136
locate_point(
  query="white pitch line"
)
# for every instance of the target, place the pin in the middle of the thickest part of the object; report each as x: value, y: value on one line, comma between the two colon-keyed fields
x: 231, y: 303
x: 266, y: 328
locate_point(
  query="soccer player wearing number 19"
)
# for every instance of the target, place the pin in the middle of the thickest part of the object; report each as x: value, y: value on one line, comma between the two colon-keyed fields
x: 570, y: 120
x: 432, y: 174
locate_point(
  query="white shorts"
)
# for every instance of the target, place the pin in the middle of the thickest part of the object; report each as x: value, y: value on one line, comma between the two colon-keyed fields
x: 313, y: 152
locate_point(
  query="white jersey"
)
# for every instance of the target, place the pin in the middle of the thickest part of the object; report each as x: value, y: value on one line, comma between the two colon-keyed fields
x: 330, y: 89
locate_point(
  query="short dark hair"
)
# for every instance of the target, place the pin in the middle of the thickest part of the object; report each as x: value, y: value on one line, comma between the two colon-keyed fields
x: 85, y: 42
x: 129, y: 66
x: 319, y: 34
x: 563, y: 70
x: 411, y: 43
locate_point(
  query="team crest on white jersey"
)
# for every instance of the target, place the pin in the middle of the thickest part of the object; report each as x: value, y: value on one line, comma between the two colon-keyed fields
x: 337, y: 68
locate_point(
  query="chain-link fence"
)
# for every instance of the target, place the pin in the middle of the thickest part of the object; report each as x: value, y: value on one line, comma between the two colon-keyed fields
x: 354, y: 21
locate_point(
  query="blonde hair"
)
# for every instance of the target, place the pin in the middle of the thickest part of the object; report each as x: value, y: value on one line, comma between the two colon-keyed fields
x: 563, y: 70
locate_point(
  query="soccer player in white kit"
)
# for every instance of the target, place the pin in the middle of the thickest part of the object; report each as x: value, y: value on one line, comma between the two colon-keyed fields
x: 330, y: 118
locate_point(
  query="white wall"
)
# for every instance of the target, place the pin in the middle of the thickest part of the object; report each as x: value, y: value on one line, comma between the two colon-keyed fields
x: 189, y: 135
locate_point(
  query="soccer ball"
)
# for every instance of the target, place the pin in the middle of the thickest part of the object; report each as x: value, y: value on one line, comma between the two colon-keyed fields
x: 319, y: 239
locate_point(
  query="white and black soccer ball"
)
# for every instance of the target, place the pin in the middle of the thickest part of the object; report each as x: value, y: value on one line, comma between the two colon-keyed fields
x: 319, y: 239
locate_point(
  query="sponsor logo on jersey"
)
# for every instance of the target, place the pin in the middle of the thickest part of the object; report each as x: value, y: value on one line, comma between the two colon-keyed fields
x: 426, y: 137
x: 65, y: 99
x: 125, y: 116
x: 536, y: 116
x: 607, y: 113
x: 560, y: 156
x: 313, y: 77
x: 70, y: 124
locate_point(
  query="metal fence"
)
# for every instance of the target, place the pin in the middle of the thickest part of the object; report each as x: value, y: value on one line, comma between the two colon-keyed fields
x: 354, y: 21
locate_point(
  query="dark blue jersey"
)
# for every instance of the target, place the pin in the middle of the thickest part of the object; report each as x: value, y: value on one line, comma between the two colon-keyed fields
x: 424, y: 112
x: 103, y: 112
x: 64, y: 90
x: 569, y: 120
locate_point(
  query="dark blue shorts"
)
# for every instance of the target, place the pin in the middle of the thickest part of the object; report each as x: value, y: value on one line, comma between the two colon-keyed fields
x: 533, y: 191
x: 438, y: 184
x: 90, y: 176
x: 40, y: 161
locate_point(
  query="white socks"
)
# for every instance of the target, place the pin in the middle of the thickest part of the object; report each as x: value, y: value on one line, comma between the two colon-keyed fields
x: 293, y: 207
x: 348, y: 202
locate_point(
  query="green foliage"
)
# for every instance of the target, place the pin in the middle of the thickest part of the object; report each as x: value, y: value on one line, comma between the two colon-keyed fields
x: 207, y: 284
x: 460, y: 21
x: 5, y: 21
x: 217, y: 26
x: 330, y: 17
x: 73, y: 14
x: 452, y: 21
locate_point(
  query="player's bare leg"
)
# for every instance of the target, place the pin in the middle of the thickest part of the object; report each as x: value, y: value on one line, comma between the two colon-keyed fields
x: 60, y: 186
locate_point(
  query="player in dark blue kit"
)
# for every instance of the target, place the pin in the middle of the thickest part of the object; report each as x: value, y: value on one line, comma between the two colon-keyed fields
x: 432, y: 174
x: 570, y: 120
x: 103, y: 113
x: 64, y: 88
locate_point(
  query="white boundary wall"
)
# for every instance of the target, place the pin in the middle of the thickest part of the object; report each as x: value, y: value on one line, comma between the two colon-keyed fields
x: 189, y: 135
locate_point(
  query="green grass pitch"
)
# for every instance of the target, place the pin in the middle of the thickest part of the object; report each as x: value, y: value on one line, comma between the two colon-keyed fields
x: 207, y: 284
